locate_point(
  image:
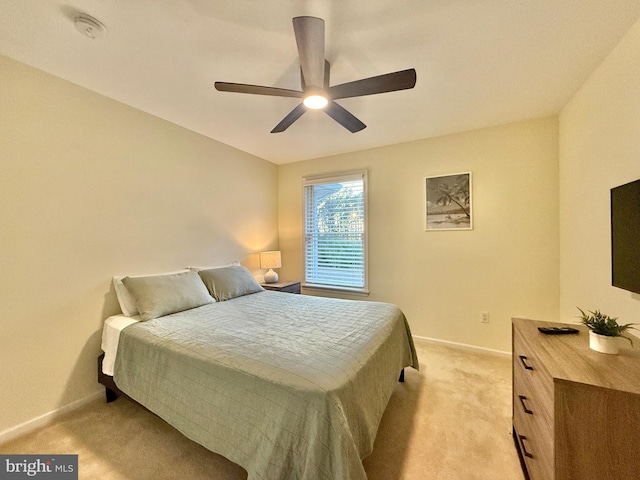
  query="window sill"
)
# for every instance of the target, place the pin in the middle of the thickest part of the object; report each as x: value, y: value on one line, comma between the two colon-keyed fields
x: 360, y: 292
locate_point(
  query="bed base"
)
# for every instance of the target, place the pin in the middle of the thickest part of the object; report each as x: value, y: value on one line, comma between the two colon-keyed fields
x: 113, y: 392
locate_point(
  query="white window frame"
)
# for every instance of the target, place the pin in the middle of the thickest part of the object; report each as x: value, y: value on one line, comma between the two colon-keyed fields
x: 327, y: 179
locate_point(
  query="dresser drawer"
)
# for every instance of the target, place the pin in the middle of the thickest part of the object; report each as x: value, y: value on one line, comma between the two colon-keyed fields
x: 530, y: 402
x: 529, y: 371
x: 536, y: 445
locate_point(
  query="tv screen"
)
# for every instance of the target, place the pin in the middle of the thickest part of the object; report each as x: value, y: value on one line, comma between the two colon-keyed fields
x: 625, y: 236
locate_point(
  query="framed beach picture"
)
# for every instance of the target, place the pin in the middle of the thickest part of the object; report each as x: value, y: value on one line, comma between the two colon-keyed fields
x: 448, y: 202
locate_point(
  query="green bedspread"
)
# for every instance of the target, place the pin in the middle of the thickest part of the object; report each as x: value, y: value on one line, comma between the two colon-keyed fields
x: 290, y: 387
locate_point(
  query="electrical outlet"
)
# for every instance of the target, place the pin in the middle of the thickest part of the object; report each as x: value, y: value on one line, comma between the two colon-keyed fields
x: 484, y: 317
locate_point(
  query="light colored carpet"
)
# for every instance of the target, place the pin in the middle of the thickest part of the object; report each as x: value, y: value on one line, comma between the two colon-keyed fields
x: 451, y: 420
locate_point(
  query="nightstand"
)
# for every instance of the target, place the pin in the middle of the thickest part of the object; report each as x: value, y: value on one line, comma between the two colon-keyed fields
x: 288, y: 287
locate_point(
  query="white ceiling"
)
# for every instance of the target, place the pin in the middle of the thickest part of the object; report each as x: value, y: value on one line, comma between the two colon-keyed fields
x: 479, y: 62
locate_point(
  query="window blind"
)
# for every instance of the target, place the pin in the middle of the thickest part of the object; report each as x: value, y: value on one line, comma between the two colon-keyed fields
x: 335, y: 231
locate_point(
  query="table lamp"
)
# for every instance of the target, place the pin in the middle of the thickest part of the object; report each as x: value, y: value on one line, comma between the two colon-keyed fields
x: 270, y: 260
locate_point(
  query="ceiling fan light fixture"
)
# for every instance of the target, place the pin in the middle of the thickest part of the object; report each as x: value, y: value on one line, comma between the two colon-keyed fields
x: 315, y: 101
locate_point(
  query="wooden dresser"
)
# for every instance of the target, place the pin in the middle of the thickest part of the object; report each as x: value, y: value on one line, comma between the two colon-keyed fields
x: 576, y: 412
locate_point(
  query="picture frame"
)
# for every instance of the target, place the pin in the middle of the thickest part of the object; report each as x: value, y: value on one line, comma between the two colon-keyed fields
x: 448, y: 202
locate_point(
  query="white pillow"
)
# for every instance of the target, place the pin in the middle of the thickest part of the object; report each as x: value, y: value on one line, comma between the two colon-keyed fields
x: 160, y: 295
x: 235, y: 263
x: 126, y: 301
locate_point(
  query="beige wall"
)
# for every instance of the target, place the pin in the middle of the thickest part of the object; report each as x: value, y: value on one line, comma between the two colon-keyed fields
x: 599, y: 149
x: 508, y: 265
x: 90, y: 188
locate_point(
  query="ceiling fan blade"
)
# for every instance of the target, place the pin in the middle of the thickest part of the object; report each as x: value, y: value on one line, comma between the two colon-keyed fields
x: 389, y: 82
x: 343, y: 117
x: 256, y: 89
x: 309, y: 32
x: 327, y: 73
x: 286, y: 122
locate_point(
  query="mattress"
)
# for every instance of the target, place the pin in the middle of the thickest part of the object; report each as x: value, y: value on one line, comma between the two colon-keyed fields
x: 290, y: 387
x: 111, y: 337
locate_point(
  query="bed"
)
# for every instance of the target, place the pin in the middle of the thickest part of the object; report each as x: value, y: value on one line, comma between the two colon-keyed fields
x: 287, y: 386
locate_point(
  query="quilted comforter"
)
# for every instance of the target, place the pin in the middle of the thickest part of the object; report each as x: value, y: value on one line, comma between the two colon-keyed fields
x: 290, y: 387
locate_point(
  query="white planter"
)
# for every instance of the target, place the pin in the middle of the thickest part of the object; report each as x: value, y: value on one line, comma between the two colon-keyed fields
x: 603, y: 343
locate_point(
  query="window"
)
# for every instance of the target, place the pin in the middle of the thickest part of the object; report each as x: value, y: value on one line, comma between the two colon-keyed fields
x: 335, y: 247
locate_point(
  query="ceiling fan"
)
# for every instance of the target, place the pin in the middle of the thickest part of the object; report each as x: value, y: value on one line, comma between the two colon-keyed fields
x: 314, y: 74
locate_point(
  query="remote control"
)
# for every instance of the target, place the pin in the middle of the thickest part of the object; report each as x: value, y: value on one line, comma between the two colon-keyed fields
x: 558, y: 330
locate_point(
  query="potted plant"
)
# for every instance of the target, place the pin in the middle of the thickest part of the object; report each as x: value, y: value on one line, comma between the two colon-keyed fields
x: 604, y: 330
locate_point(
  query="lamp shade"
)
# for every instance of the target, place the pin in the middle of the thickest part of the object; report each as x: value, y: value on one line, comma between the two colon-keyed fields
x: 270, y: 259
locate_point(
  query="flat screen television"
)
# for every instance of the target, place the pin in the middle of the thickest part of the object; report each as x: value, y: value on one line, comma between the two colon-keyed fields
x: 625, y: 236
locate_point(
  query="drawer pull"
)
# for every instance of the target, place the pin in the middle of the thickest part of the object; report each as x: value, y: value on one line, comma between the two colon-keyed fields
x: 524, y: 447
x: 523, y: 359
x: 524, y: 407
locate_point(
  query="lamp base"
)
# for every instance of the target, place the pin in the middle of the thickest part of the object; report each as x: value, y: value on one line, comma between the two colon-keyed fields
x: 270, y: 276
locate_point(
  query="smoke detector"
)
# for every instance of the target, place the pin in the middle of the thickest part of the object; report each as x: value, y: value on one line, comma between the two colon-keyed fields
x: 89, y: 26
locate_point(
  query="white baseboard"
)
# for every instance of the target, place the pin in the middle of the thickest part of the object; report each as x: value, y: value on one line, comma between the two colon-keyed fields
x: 35, y: 423
x: 463, y: 346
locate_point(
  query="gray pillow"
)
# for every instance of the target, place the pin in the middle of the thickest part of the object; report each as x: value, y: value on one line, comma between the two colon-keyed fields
x: 229, y: 282
x: 165, y: 294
